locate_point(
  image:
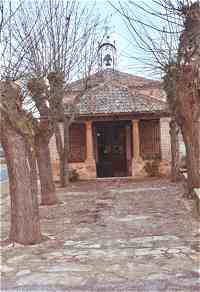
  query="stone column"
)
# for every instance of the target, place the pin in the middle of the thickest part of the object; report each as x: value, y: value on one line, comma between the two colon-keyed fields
x: 165, y: 145
x: 137, y: 161
x: 136, y: 139
x: 165, y: 140
x: 90, y: 161
x: 89, y: 141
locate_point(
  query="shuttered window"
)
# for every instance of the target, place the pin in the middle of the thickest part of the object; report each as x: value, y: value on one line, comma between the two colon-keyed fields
x: 77, y: 143
x: 150, y: 139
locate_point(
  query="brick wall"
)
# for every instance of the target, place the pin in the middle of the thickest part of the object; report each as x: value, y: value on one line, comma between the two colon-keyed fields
x: 165, y: 139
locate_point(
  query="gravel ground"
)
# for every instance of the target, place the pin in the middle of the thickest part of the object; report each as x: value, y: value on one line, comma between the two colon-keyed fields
x: 108, y: 235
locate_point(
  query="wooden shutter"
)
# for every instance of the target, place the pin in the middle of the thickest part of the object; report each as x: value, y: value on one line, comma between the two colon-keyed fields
x: 77, y: 143
x: 150, y: 139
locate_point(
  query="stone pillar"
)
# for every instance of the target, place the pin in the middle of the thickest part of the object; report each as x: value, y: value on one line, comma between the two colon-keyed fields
x: 136, y: 139
x: 89, y: 141
x: 165, y: 140
x: 137, y: 161
x: 165, y: 145
x: 90, y: 161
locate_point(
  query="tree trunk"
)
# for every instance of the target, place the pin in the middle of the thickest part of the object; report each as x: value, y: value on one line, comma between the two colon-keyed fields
x: 65, y: 153
x: 60, y: 150
x: 48, y: 194
x: 25, y: 225
x: 175, y: 173
x: 191, y: 139
x: 63, y: 150
x: 33, y: 170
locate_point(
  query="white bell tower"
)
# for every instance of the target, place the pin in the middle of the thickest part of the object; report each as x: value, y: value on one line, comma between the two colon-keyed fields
x: 107, y: 55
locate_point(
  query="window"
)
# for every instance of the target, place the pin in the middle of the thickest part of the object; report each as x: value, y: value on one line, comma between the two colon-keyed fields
x: 150, y: 139
x: 77, y: 143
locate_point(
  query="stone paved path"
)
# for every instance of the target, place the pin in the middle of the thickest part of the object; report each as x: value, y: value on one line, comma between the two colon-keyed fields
x: 108, y: 236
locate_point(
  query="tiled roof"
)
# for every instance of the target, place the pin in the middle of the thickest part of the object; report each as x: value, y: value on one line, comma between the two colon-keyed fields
x: 114, y: 75
x: 109, y: 99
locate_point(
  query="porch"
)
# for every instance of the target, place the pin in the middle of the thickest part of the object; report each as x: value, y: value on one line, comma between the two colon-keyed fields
x: 117, y: 148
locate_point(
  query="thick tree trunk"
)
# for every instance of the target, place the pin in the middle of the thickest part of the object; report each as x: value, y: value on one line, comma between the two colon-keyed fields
x: 191, y: 139
x: 25, y: 226
x: 33, y: 170
x: 48, y: 194
x: 64, y: 171
x: 175, y: 173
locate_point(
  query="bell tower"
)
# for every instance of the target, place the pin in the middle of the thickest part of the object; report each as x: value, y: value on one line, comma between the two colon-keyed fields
x: 107, y: 54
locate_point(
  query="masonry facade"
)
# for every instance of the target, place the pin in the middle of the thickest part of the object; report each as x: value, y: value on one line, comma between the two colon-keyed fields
x: 122, y: 124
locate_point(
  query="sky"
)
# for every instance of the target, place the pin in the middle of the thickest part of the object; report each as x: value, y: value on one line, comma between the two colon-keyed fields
x: 118, y: 32
x: 126, y: 51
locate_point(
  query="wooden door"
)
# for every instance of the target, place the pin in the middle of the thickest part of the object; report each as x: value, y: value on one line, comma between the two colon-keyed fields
x: 111, y: 140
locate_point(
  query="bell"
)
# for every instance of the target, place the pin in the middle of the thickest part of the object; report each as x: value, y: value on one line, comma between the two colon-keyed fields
x: 108, y: 60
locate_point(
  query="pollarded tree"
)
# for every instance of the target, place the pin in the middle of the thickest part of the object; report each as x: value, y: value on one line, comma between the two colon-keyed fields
x: 183, y: 78
x: 17, y: 138
x: 167, y: 36
x: 65, y: 37
x: 188, y: 88
x: 43, y: 131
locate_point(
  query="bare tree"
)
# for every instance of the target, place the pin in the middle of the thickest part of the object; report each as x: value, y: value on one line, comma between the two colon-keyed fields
x: 169, y: 42
x: 87, y: 61
x: 65, y: 34
x: 1, y: 15
x: 174, y: 135
x: 17, y: 137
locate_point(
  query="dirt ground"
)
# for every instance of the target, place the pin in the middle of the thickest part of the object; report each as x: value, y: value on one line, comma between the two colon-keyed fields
x: 108, y: 235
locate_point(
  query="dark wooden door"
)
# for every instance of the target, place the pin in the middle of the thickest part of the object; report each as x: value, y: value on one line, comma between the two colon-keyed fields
x: 111, y: 143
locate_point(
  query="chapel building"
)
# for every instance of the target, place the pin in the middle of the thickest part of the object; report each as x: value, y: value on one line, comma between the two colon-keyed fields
x: 122, y: 124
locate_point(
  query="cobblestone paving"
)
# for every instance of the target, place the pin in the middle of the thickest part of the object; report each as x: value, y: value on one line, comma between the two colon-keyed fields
x: 108, y: 236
